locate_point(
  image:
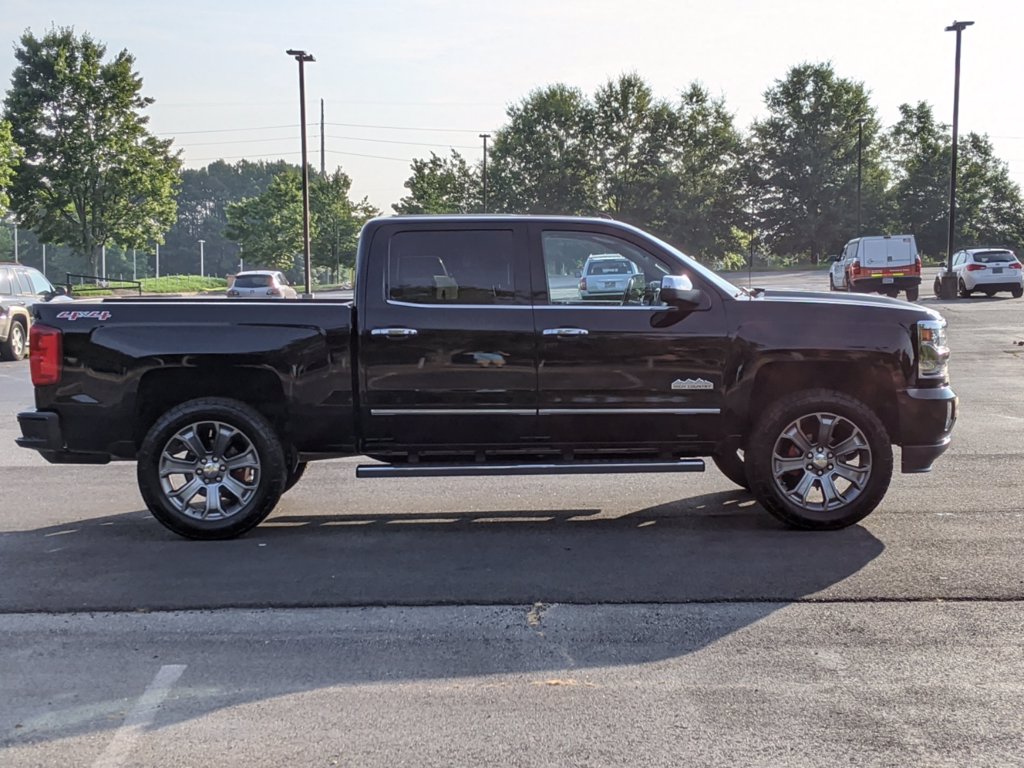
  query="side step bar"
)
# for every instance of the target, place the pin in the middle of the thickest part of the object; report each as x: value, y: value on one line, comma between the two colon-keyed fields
x: 551, y: 468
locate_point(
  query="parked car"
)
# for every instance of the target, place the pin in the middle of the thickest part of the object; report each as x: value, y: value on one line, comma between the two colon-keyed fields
x: 885, y: 264
x: 607, y: 276
x: 261, y: 284
x: 20, y: 288
x: 988, y: 270
x: 490, y: 374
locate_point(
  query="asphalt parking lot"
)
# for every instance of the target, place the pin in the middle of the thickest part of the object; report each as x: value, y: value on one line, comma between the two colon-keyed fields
x: 611, y: 620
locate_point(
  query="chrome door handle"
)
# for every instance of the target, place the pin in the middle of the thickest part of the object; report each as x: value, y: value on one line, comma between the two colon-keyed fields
x: 565, y: 331
x: 394, y: 333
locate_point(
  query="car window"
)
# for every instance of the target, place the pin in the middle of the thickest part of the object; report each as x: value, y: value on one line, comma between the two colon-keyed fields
x: 993, y: 257
x: 24, y: 287
x: 611, y: 270
x: 254, y: 281
x: 40, y: 285
x: 452, y: 267
x: 5, y: 282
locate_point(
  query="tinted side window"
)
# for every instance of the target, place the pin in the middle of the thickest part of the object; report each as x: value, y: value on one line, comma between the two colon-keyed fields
x: 23, y: 286
x: 5, y: 282
x: 452, y: 267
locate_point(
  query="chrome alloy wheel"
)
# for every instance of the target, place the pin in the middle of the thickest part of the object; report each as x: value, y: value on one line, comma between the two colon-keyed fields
x: 209, y: 470
x: 821, y: 462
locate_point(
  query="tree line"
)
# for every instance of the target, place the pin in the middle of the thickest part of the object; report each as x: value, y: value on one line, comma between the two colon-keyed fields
x: 80, y: 169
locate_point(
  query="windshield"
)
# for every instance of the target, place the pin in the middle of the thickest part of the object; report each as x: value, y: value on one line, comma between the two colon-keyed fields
x: 253, y: 281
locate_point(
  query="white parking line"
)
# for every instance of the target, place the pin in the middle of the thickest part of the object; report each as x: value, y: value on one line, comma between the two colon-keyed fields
x: 140, y: 717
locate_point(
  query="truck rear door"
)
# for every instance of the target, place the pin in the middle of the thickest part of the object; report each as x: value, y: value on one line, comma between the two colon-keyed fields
x: 447, y: 356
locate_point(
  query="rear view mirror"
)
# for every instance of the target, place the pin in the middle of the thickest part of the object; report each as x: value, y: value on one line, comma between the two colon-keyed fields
x: 678, y: 291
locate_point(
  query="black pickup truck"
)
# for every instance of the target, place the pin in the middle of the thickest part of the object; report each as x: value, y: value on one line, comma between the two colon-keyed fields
x: 472, y: 348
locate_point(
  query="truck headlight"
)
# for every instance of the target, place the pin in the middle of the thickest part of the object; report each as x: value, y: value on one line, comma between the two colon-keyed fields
x: 932, y: 349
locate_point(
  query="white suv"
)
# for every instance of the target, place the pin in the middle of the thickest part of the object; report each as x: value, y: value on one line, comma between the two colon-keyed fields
x: 988, y: 270
x: 607, y: 276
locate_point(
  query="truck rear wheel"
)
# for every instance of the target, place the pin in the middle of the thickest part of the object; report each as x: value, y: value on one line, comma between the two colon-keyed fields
x: 819, y: 460
x: 913, y: 293
x: 211, y: 468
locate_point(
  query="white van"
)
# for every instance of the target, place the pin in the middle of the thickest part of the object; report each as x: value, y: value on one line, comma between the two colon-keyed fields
x: 880, y: 264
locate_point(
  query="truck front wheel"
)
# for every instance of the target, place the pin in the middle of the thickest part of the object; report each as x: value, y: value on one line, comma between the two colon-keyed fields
x: 819, y: 460
x: 211, y: 468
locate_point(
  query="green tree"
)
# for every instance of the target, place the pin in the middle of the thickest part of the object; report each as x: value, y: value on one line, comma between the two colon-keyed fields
x: 805, y: 155
x: 335, y: 219
x: 543, y: 160
x: 9, y: 156
x: 990, y: 209
x: 442, y: 185
x: 268, y: 227
x: 92, y: 174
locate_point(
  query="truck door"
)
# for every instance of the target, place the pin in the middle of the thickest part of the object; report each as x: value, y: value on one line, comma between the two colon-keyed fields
x: 621, y: 372
x: 446, y: 347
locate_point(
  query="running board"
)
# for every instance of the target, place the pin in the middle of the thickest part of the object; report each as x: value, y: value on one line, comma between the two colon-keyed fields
x: 552, y: 468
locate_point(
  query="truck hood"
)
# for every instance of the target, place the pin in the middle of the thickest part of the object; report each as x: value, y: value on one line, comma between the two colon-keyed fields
x: 860, y: 301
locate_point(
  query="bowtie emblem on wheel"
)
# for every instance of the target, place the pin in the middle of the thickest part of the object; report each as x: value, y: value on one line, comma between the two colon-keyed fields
x: 692, y: 384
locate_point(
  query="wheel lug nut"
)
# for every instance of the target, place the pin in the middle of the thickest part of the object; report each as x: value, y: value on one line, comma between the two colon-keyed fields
x: 830, y: 466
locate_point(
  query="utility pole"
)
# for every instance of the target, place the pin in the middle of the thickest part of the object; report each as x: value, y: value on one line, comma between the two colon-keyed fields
x: 323, y: 150
x: 302, y: 57
x: 44, y: 259
x: 158, y: 259
x: 202, y: 268
x: 948, y: 287
x: 485, y: 137
x: 103, y: 264
x: 16, y: 243
x: 860, y: 149
x: 135, y: 266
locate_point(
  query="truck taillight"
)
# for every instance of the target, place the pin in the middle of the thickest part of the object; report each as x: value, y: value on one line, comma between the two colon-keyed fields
x: 917, y: 264
x: 975, y: 267
x: 45, y: 355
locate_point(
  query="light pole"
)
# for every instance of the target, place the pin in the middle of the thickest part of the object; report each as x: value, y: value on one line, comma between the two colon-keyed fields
x: 947, y: 287
x: 202, y: 266
x: 302, y: 57
x: 485, y: 137
x: 158, y: 259
x: 860, y: 165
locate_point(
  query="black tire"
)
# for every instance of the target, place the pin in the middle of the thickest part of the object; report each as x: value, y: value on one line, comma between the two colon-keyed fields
x: 1017, y: 292
x: 831, y: 282
x: 16, y: 345
x: 261, y: 483
x: 962, y: 290
x: 937, y: 287
x: 853, y: 425
x: 730, y: 463
x: 989, y: 294
x: 298, y: 469
x: 913, y: 293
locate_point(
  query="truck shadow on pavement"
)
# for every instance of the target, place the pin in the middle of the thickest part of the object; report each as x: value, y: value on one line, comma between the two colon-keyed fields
x: 520, y: 592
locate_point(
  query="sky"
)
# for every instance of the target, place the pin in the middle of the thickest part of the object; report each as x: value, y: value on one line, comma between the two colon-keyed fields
x: 400, y: 79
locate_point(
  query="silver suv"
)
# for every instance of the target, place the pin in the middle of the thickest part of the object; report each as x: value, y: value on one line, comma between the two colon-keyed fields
x: 20, y: 288
x: 607, y: 276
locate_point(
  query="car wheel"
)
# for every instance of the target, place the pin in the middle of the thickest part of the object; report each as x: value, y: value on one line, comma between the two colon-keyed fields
x: 819, y: 460
x: 937, y: 287
x: 913, y: 293
x: 14, y: 348
x: 730, y: 463
x: 831, y: 283
x: 211, y: 468
x: 1017, y: 292
x: 962, y: 290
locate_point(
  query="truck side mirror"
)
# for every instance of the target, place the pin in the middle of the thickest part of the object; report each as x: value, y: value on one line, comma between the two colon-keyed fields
x: 678, y: 291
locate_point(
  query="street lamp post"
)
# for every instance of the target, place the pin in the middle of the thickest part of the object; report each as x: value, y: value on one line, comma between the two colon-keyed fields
x: 947, y: 286
x: 860, y: 165
x: 302, y: 57
x: 485, y: 137
x: 202, y: 265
